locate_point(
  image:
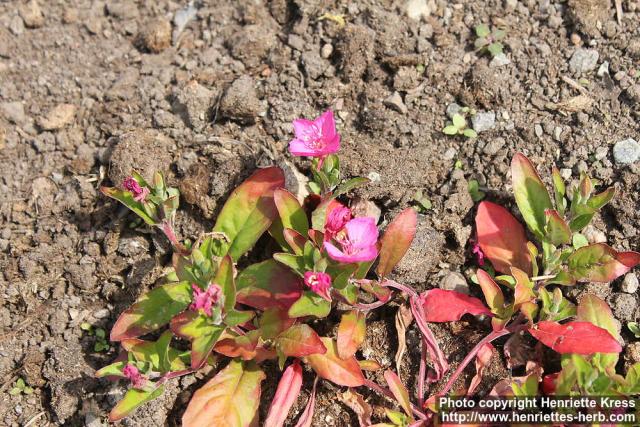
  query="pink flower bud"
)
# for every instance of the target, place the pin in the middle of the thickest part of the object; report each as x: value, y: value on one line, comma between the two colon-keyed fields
x: 475, y: 249
x: 357, y: 241
x: 336, y: 220
x: 131, y: 185
x: 315, y: 138
x: 133, y: 374
x: 205, y: 300
x: 320, y: 283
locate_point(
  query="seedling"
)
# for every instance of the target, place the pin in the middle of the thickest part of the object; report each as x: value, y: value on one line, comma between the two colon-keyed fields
x: 488, y: 40
x: 101, y: 343
x: 634, y: 328
x: 458, y: 126
x: 474, y: 190
x: 422, y: 202
x: 20, y: 387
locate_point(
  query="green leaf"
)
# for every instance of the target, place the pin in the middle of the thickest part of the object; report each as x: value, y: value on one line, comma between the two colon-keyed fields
x: 459, y: 121
x: 268, y: 284
x: 599, y: 200
x: 294, y: 262
x: 225, y: 278
x: 470, y: 133
x: 310, y: 304
x: 474, y: 191
x: 203, y: 335
x: 495, y: 48
x: 450, y: 130
x: 248, y: 212
x: 126, y: 198
x: 294, y: 240
x: 133, y: 399
x: 600, y: 263
x: 112, y: 370
x: 237, y: 317
x: 557, y: 230
x: 579, y: 241
x: 559, y: 191
x: 229, y: 399
x: 152, y: 311
x: 349, y: 185
x: 482, y: 30
x: 291, y: 213
x: 530, y: 194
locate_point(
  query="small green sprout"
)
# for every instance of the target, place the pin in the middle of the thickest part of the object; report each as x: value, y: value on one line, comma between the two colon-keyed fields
x: 20, y: 387
x: 634, y: 328
x: 458, y: 126
x: 423, y: 204
x: 489, y: 40
x: 474, y: 190
x: 458, y: 164
x: 100, y: 334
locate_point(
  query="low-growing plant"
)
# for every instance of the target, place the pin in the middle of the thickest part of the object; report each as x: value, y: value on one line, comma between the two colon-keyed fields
x: 20, y: 387
x: 458, y: 126
x: 100, y: 334
x: 488, y: 39
x: 634, y: 328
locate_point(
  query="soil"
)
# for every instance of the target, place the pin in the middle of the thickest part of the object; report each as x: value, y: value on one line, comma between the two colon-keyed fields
x: 90, y: 88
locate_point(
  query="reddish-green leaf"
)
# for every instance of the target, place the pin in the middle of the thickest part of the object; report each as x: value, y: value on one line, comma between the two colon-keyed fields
x: 242, y: 346
x: 152, y: 311
x: 557, y: 230
x: 492, y: 293
x: 248, y: 212
x: 399, y: 391
x: 447, y: 306
x: 291, y: 213
x: 397, y: 240
x: 306, y: 418
x: 200, y: 331
x: 229, y: 399
x: 286, y: 394
x: 530, y: 193
x: 225, y: 278
x: 126, y: 198
x: 133, y: 399
x: 274, y: 321
x: 268, y: 284
x: 599, y: 200
x: 593, y: 309
x: 310, y: 304
x: 575, y: 337
x: 295, y: 240
x: 299, y: 341
x: 351, y: 333
x: 600, y: 263
x: 501, y: 238
x: 483, y: 358
x: 331, y: 367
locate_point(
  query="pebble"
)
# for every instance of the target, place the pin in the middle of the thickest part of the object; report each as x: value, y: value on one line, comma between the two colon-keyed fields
x: 623, y: 306
x: 583, y: 60
x: 537, y: 128
x: 155, y: 36
x: 601, y: 152
x: 630, y: 283
x: 483, y: 121
x: 374, y: 176
x: 240, y: 101
x: 566, y: 173
x: 326, y: 50
x: 73, y: 313
x: 13, y: 111
x: 395, y: 101
x: 417, y: 9
x: 499, y: 60
x: 454, y: 281
x: 193, y: 102
x: 16, y: 25
x: 626, y: 151
x: 603, y: 69
x: 453, y: 109
x: 57, y: 118
x: 31, y: 14
x: 365, y: 208
x: 102, y: 313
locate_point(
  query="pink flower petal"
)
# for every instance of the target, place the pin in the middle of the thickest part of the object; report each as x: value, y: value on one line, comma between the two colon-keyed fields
x: 297, y: 147
x: 302, y: 127
x: 362, y: 232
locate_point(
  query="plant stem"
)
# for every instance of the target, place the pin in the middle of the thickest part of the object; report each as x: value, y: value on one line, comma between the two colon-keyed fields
x: 422, y: 373
x: 547, y: 277
x: 386, y: 392
x: 167, y: 229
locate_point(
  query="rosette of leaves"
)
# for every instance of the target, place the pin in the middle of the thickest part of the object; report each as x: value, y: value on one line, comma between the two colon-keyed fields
x: 458, y: 126
x: 488, y: 39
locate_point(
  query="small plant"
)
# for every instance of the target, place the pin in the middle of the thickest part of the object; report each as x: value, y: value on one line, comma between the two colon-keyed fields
x: 458, y: 126
x: 488, y: 40
x: 101, y: 343
x: 634, y: 328
x: 422, y: 202
x: 474, y: 190
x: 20, y: 387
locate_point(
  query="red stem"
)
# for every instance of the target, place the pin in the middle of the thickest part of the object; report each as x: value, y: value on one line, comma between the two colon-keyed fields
x: 422, y: 373
x: 167, y: 229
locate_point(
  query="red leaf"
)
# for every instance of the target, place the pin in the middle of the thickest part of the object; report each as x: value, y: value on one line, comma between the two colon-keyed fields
x: 243, y: 346
x: 575, y: 337
x: 492, y: 293
x: 268, y: 284
x: 397, y: 240
x: 351, y: 333
x: 447, y: 306
x: 549, y: 383
x: 501, y: 237
x: 600, y: 263
x: 483, y: 358
x: 399, y: 391
x: 286, y: 394
x: 307, y: 416
x: 329, y: 366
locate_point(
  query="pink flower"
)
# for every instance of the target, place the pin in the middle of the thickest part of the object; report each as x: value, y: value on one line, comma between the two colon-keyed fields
x: 204, y: 300
x: 317, y: 138
x: 131, y: 185
x: 357, y: 241
x: 336, y: 221
x: 133, y: 374
x: 475, y: 249
x: 320, y: 283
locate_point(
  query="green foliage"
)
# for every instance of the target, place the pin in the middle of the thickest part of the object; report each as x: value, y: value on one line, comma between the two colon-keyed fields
x: 20, y: 387
x: 458, y: 126
x: 489, y: 39
x: 101, y: 343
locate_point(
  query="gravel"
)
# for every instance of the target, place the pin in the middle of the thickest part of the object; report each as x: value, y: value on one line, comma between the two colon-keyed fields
x: 630, y: 283
x: 626, y: 151
x: 395, y: 101
x: 583, y: 61
x: 483, y: 121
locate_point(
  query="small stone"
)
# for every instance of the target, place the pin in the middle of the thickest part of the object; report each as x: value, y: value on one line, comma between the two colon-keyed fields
x: 16, y: 25
x: 57, y: 118
x: 583, y: 61
x: 395, y: 101
x: 566, y: 173
x: 594, y: 235
x: 575, y: 39
x: 326, y: 50
x: 623, y: 306
x: 603, y: 69
x: 102, y: 313
x: 499, y: 60
x: 13, y: 111
x: 537, y: 128
x: 483, y: 121
x: 453, y: 109
x: 240, y: 101
x: 630, y: 283
x: 374, y: 176
x: 417, y: 9
x: 182, y: 18
x: 93, y: 25
x: 601, y: 153
x: 626, y: 151
x: 73, y: 313
x: 31, y: 14
x: 155, y: 36
x: 365, y: 208
x: 193, y: 103
x: 454, y: 281
x: 294, y: 180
